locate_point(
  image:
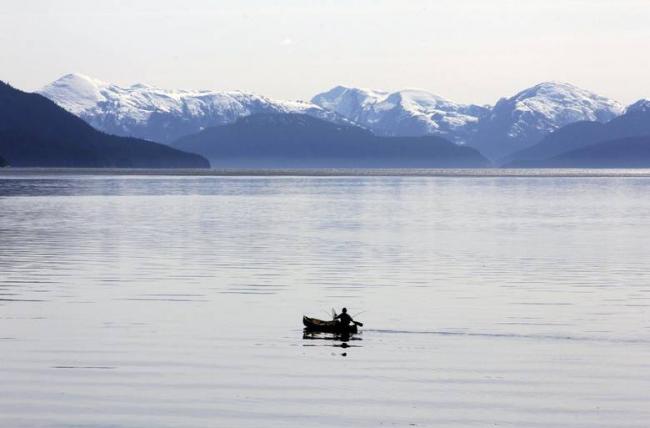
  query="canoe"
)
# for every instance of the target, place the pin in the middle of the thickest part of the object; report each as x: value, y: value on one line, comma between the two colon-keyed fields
x: 316, y: 325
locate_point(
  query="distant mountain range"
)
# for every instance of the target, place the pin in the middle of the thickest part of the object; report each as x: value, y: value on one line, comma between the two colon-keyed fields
x: 574, y: 137
x: 513, y: 123
x: 404, y: 113
x: 298, y: 140
x: 3, y: 162
x: 633, y: 152
x: 523, y: 120
x: 35, y: 132
x: 165, y: 115
x: 549, y: 125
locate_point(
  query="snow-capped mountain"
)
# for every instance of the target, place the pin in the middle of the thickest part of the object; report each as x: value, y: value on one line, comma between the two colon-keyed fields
x: 403, y: 113
x: 524, y: 119
x: 512, y: 124
x: 641, y: 105
x: 163, y: 115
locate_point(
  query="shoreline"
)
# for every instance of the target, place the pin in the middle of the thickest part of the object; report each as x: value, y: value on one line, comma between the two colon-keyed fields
x: 333, y: 172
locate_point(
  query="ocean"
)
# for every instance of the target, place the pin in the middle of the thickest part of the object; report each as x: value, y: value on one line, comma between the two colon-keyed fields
x: 516, y: 298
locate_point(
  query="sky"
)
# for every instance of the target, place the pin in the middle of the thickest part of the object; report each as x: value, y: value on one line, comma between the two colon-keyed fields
x: 470, y: 51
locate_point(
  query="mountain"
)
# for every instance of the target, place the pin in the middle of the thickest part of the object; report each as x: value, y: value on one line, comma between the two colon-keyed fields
x: 524, y: 119
x: 162, y: 115
x: 36, y: 132
x: 631, y: 152
x: 635, y: 122
x: 642, y: 105
x: 513, y: 123
x: 301, y: 141
x: 3, y: 162
x: 403, y: 113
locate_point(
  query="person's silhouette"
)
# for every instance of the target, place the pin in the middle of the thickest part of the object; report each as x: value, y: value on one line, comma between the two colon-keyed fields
x: 344, y: 318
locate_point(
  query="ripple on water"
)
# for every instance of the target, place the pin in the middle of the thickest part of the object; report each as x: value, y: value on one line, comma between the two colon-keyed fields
x: 504, y: 298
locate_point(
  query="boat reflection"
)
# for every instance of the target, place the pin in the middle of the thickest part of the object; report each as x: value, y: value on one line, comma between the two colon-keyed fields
x: 339, y: 340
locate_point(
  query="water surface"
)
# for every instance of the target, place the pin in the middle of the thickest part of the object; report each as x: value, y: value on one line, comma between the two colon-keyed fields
x: 138, y: 300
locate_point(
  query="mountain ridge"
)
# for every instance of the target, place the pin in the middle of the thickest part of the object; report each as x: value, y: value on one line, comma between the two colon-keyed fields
x: 525, y: 118
x: 634, y: 123
x: 510, y: 125
x: 408, y: 112
x: 162, y: 115
x: 36, y: 132
x: 630, y: 152
x: 297, y: 140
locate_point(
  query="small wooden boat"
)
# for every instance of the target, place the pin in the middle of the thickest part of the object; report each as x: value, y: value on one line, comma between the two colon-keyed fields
x: 335, y: 327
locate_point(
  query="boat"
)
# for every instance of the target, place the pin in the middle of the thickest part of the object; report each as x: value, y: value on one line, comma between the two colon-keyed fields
x: 335, y: 327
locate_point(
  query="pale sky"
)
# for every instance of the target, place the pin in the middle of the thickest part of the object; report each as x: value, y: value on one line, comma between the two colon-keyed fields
x: 466, y: 50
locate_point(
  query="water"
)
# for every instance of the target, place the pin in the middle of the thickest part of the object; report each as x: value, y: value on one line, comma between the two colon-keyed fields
x: 175, y: 301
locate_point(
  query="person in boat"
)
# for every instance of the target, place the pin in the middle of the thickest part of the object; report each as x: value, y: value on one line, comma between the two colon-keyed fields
x: 344, y: 318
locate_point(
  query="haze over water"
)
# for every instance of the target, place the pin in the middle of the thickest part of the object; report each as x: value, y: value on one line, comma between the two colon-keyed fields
x: 176, y: 301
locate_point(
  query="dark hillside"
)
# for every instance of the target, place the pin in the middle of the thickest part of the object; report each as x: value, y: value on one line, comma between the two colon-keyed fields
x: 36, y: 132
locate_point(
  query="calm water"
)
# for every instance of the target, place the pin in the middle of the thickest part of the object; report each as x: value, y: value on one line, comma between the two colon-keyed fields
x: 176, y: 301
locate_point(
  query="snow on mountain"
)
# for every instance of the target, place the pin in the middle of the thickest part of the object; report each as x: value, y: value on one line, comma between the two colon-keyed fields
x: 76, y: 93
x: 512, y: 124
x: 163, y: 115
x: 524, y: 119
x: 402, y: 113
x: 641, y: 105
x: 551, y: 105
